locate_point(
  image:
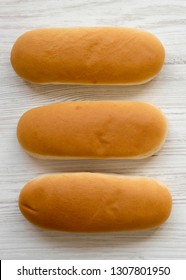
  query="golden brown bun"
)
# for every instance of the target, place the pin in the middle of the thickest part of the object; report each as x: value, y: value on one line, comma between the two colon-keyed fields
x: 92, y: 129
x: 89, y: 202
x: 91, y: 55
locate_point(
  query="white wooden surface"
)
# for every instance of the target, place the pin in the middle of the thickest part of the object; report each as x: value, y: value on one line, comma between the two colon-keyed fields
x: 166, y: 19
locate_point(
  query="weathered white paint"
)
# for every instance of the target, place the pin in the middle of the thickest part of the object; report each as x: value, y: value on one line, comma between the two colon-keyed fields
x: 166, y: 19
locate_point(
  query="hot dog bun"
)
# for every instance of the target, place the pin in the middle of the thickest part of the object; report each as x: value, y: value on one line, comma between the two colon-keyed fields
x: 91, y: 55
x: 89, y: 202
x: 92, y: 129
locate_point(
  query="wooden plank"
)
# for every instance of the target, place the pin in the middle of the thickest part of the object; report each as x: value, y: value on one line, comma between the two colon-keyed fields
x: 166, y: 19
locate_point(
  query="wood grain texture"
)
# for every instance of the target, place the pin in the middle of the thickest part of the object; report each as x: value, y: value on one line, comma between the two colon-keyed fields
x: 166, y: 19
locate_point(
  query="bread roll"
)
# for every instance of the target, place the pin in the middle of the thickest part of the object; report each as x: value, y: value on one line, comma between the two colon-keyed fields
x: 91, y: 55
x: 92, y: 129
x: 89, y: 202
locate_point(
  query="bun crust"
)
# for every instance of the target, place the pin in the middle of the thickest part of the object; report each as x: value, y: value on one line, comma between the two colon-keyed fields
x: 89, y: 202
x: 87, y: 55
x: 96, y: 129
